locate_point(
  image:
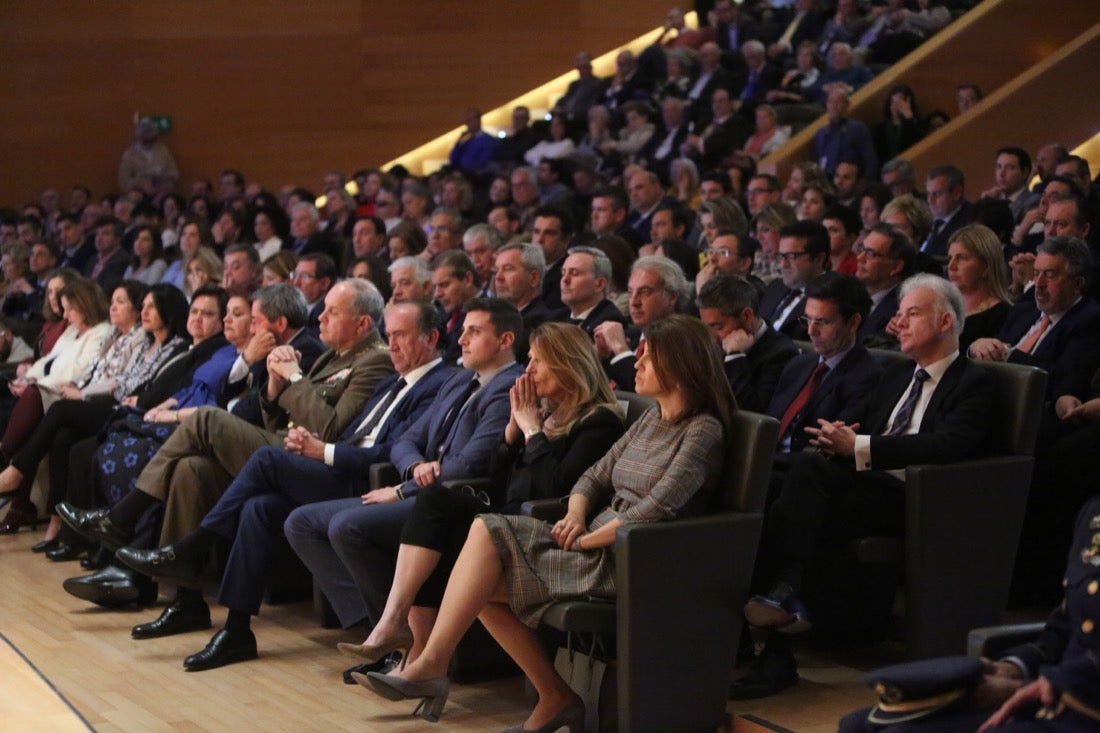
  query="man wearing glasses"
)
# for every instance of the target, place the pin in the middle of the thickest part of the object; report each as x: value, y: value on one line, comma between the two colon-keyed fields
x: 883, y: 260
x: 314, y: 275
x: 803, y: 255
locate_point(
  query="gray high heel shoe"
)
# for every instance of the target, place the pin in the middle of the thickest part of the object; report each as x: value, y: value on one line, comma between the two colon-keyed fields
x: 432, y: 693
x: 374, y: 652
x: 571, y: 717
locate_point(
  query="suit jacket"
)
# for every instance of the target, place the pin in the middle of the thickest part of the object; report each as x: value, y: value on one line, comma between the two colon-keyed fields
x: 534, y: 314
x: 622, y: 372
x: 178, y: 372
x: 551, y: 285
x: 936, y: 245
x: 1065, y: 652
x: 843, y: 386
x: 755, y: 376
x: 722, y: 139
x: 604, y: 311
x: 113, y: 269
x: 699, y: 109
x: 248, y: 407
x: 321, y: 241
x: 475, y: 433
x: 355, y: 460
x: 769, y: 305
x: 661, y: 165
x: 872, y: 331
x: 1070, y: 351
x: 333, y: 392
x: 956, y: 425
x: 452, y: 350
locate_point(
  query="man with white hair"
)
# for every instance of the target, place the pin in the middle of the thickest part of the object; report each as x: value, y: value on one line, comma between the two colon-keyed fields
x: 307, y: 236
x: 656, y: 287
x: 934, y: 409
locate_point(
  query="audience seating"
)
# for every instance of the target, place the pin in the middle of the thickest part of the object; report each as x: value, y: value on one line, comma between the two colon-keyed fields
x: 963, y: 524
x: 993, y: 641
x: 681, y: 588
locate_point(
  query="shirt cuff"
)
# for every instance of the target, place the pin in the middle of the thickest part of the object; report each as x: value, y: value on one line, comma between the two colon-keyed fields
x: 863, y: 453
x: 619, y: 357
x: 330, y: 453
x: 239, y: 370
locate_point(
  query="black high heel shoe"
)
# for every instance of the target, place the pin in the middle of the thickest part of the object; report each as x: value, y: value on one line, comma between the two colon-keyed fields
x: 46, y: 545
x: 19, y: 517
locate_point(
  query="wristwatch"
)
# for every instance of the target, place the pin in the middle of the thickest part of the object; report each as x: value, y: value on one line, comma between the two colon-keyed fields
x: 295, y: 378
x: 532, y: 432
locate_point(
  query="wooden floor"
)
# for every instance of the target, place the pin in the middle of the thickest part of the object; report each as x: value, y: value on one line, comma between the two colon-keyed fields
x: 118, y: 684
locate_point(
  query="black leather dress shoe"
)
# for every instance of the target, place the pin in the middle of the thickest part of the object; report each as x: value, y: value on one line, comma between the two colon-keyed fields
x: 65, y: 552
x: 94, y: 525
x: 113, y: 587
x: 161, y: 562
x: 225, y: 648
x: 98, y: 559
x: 175, y: 619
x: 768, y: 674
x: 46, y: 545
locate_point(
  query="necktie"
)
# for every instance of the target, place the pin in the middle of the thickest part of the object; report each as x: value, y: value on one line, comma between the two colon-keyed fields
x: 905, y: 413
x: 779, y: 318
x: 800, y: 399
x: 447, y: 426
x: 1028, y: 343
x: 936, y: 227
x: 376, y: 414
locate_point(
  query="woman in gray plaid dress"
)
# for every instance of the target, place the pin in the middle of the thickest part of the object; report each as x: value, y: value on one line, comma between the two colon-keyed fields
x: 512, y: 568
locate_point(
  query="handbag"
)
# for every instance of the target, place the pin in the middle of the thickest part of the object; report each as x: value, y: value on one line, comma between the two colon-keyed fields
x: 592, y: 676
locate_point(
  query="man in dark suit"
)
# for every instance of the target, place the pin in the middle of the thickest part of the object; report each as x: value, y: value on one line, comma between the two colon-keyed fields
x: 306, y: 235
x: 274, y: 481
x: 213, y: 442
x: 734, y: 27
x: 725, y: 132
x: 839, y: 372
x: 884, y: 259
x: 803, y: 252
x: 946, y: 188
x: 552, y: 230
x: 1059, y: 329
x: 279, y: 314
x: 350, y: 545
x: 518, y: 270
x: 646, y: 195
x: 663, y: 146
x: 76, y: 249
x: 711, y: 78
x: 585, y: 278
x: 314, y: 275
x: 754, y: 353
x: 656, y: 288
x: 110, y: 261
x: 760, y: 77
x: 934, y: 411
x: 454, y: 281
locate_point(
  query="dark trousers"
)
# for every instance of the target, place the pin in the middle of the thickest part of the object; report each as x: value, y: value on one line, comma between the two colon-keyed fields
x: 253, y: 509
x: 825, y: 502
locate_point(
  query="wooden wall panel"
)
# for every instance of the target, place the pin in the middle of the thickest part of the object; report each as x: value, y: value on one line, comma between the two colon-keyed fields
x: 280, y: 89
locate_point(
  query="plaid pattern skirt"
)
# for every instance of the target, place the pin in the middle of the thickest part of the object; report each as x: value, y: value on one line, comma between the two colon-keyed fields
x: 538, y: 573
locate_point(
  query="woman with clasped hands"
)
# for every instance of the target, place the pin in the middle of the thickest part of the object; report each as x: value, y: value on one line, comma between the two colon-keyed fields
x: 512, y: 569
x: 564, y: 418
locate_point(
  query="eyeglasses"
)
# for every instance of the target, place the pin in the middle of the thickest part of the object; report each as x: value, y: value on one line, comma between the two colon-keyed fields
x: 819, y: 322
x: 720, y: 251
x: 790, y: 256
x: 859, y: 249
x: 307, y: 276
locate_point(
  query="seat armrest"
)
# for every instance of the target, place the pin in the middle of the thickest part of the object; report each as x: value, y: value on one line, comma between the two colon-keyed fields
x: 994, y: 641
x: 383, y: 474
x: 548, y: 510
x: 477, y: 484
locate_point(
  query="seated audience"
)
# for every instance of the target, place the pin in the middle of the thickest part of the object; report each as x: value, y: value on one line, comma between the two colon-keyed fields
x: 675, y: 463
x: 754, y: 354
x: 934, y: 411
